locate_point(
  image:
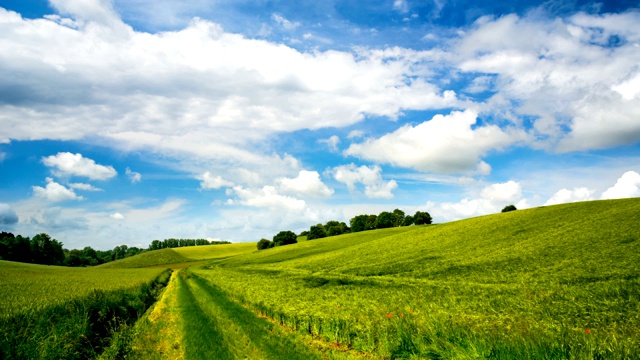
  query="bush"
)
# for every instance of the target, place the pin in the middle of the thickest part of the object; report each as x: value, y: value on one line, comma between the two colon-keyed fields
x: 264, y: 244
x: 285, y: 238
x: 509, y: 208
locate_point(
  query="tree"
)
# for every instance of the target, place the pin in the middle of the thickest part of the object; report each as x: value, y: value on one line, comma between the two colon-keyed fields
x: 384, y: 220
x: 264, y: 244
x: 509, y: 208
x: 316, y: 232
x: 398, y: 217
x: 285, y: 238
x: 371, y: 222
x: 359, y: 223
x: 421, y: 218
x: 408, y: 220
x: 334, y: 228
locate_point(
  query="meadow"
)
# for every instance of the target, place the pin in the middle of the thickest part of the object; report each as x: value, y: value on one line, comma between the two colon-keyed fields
x: 51, y: 312
x: 557, y: 282
x: 551, y: 282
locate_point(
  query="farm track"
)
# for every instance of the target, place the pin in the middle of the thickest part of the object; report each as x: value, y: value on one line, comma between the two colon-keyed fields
x: 216, y: 327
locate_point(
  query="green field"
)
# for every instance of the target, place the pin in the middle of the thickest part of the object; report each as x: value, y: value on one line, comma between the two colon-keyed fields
x: 558, y: 282
x: 168, y: 257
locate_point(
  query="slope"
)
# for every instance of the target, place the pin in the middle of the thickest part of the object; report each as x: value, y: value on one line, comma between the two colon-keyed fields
x: 550, y: 282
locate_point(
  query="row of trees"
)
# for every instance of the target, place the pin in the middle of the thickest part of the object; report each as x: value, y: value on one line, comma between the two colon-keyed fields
x: 42, y: 249
x: 358, y: 223
x: 174, y: 243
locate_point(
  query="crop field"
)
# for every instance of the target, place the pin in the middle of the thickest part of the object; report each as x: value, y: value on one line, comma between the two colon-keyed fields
x: 558, y: 282
x: 183, y: 255
x: 551, y: 282
x: 33, y: 287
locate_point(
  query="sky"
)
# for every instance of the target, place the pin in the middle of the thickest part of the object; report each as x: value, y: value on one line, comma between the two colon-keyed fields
x: 126, y: 121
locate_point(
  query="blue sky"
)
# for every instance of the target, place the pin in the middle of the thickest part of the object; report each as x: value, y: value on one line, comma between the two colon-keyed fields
x: 128, y: 121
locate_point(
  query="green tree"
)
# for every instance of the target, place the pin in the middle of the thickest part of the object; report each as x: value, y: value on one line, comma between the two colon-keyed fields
x: 334, y: 228
x: 371, y: 222
x: 359, y: 223
x: 316, y: 232
x: 264, y: 244
x: 422, y: 218
x: 408, y: 220
x: 285, y: 238
x: 398, y: 217
x: 509, y: 208
x: 384, y: 220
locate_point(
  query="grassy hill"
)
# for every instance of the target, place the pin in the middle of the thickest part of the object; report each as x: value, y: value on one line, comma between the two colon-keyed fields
x: 167, y: 257
x: 550, y: 282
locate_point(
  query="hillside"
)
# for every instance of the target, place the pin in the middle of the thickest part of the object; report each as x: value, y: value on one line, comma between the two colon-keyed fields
x: 542, y: 281
x: 167, y: 257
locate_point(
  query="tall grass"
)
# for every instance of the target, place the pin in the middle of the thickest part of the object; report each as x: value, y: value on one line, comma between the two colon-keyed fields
x: 552, y: 282
x: 80, y: 324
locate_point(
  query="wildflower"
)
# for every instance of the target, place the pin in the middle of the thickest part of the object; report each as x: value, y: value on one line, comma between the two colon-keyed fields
x: 402, y: 315
x: 411, y: 311
x: 338, y: 306
x: 389, y: 316
x: 588, y: 331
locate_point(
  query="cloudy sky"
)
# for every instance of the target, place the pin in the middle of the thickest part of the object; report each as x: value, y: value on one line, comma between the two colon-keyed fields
x: 126, y: 121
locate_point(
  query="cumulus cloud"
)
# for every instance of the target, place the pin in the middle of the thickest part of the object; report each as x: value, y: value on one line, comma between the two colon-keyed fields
x: 577, y: 87
x: 68, y: 164
x: 566, y: 196
x: 370, y: 177
x: 493, y: 199
x: 174, y: 91
x: 210, y: 181
x: 55, y: 192
x: 8, y: 216
x: 444, y: 144
x: 401, y: 6
x: 133, y: 176
x: 306, y: 183
x: 117, y: 216
x: 266, y: 197
x: 627, y: 186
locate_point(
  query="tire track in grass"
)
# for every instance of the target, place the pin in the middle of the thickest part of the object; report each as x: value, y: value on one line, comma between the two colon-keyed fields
x: 203, y: 338
x: 250, y: 335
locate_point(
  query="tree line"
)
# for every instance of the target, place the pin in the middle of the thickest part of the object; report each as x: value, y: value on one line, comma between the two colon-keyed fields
x: 358, y: 223
x: 42, y: 249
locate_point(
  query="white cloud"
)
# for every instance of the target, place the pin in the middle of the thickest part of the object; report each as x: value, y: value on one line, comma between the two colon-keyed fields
x: 566, y: 196
x: 173, y: 92
x: 133, y: 176
x: 210, y: 181
x: 627, y: 186
x: 8, y: 216
x: 370, y: 177
x: 332, y: 142
x: 353, y: 134
x: 266, y: 197
x: 307, y: 183
x: 282, y: 21
x: 401, y: 6
x: 2, y: 156
x: 117, y: 216
x: 579, y: 92
x: 68, y: 164
x: 444, y: 144
x: 55, y: 192
x: 85, y: 187
x: 493, y: 199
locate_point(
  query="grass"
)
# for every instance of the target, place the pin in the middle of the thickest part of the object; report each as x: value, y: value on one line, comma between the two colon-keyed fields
x: 550, y: 282
x: 168, y: 258
x: 52, y: 312
x: 30, y: 287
